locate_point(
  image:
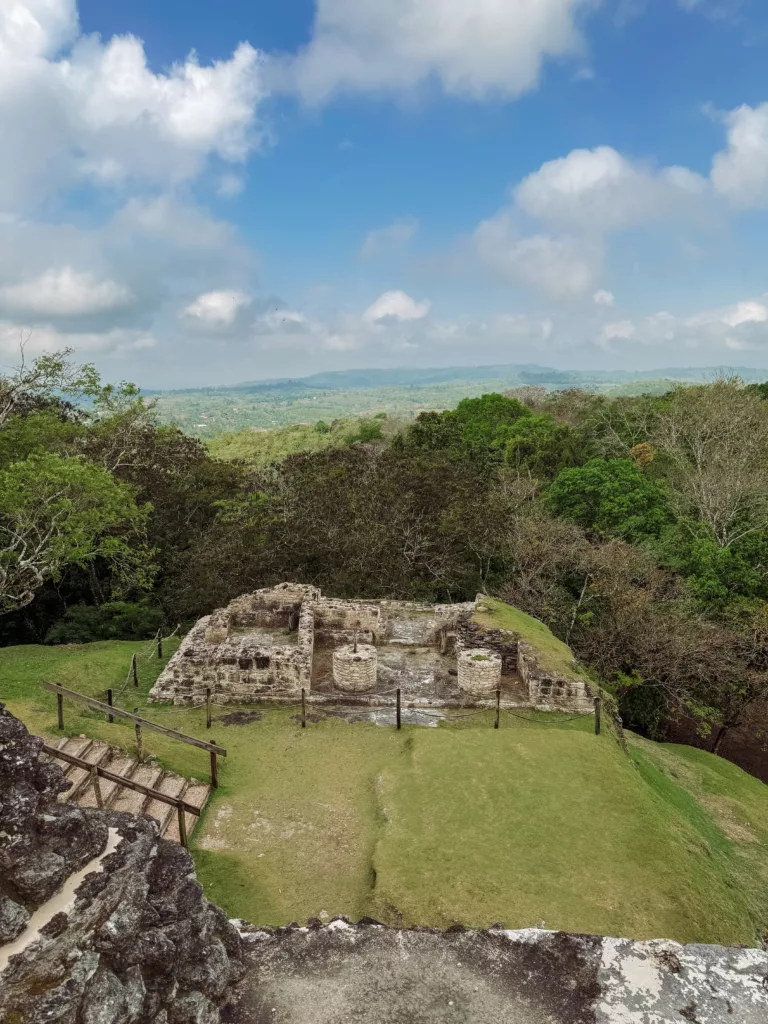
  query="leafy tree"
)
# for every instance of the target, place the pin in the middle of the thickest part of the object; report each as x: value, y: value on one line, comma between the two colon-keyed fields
x: 609, y: 497
x: 56, y: 512
x: 539, y: 447
x: 113, y: 620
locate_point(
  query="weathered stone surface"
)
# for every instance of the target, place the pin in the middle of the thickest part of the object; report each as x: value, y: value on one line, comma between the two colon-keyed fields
x: 13, y: 919
x: 137, y: 935
x: 341, y: 972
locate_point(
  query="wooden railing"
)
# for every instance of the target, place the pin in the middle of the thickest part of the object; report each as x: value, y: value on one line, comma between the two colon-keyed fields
x: 141, y: 723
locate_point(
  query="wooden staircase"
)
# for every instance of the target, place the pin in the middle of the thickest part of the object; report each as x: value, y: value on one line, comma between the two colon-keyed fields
x: 122, y: 798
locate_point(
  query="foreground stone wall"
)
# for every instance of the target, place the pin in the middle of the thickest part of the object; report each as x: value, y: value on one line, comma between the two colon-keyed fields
x: 366, y: 972
x: 136, y: 943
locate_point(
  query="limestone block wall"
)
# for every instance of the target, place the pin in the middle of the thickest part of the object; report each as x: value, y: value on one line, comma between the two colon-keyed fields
x: 419, y: 624
x: 238, y: 669
x: 479, y: 670
x: 337, y: 621
x: 354, y: 671
x: 552, y: 688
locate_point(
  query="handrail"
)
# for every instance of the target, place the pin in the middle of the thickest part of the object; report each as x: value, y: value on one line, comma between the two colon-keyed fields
x: 109, y: 709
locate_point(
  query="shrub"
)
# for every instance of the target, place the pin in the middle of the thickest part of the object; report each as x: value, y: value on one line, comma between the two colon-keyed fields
x: 115, y: 620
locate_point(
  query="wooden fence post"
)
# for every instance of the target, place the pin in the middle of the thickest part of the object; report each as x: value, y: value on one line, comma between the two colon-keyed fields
x: 214, y: 769
x: 182, y: 825
x: 135, y: 670
x: 398, y: 708
x: 139, y: 740
x: 97, y: 787
x: 597, y: 716
x: 159, y: 647
x: 498, y: 709
x: 303, y: 709
x: 110, y: 718
x: 208, y: 707
x: 60, y: 703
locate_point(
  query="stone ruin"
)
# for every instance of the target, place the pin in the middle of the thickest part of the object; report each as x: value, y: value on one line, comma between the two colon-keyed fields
x: 101, y: 920
x: 276, y: 642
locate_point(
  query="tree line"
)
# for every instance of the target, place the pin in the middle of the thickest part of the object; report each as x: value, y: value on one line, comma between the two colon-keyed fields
x: 635, y: 527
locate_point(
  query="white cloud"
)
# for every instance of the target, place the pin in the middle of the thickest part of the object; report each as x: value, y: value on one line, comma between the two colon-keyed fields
x: 742, y: 326
x: 478, y: 50
x: 383, y: 241
x: 395, y: 305
x: 230, y: 185
x: 561, y: 266
x: 217, y: 309
x: 601, y: 190
x: 603, y: 298
x: 740, y: 172
x: 45, y: 338
x: 36, y: 28
x: 64, y: 292
x: 99, y: 113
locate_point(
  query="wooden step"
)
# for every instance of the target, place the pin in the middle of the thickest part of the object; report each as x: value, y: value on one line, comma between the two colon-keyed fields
x: 97, y: 754
x: 171, y: 785
x: 121, y: 764
x: 196, y: 794
x: 128, y: 799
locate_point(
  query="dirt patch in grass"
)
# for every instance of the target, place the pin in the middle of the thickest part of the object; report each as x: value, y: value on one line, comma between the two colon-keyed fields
x: 240, y: 718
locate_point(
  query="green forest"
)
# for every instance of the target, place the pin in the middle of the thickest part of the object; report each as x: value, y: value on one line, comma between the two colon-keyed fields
x: 633, y: 526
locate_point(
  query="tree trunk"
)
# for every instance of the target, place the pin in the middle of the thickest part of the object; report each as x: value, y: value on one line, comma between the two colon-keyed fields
x: 720, y: 737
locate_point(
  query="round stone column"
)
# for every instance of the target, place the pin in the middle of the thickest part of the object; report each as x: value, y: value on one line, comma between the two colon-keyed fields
x: 479, y: 671
x: 354, y: 671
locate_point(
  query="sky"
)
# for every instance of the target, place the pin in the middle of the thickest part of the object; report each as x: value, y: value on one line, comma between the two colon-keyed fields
x: 195, y: 194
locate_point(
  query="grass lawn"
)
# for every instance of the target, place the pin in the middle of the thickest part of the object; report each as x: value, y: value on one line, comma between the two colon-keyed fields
x: 456, y: 824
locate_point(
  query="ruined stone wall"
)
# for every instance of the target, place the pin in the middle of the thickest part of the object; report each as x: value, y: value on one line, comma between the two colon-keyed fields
x: 552, y: 689
x: 239, y: 668
x: 135, y: 942
x: 418, y: 624
x: 337, y: 621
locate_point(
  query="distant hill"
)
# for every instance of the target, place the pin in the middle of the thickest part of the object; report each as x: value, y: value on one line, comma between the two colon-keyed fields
x: 402, y: 393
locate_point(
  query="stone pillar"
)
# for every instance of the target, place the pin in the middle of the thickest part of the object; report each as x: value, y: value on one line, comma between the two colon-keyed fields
x: 479, y: 671
x: 354, y: 671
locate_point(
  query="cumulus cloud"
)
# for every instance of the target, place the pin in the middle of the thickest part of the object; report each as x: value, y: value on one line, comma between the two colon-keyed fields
x: 395, y: 305
x: 740, y: 172
x: 600, y: 189
x: 561, y: 267
x: 384, y: 241
x: 217, y: 309
x: 489, y: 48
x: 64, y: 292
x: 603, y: 298
x: 95, y: 111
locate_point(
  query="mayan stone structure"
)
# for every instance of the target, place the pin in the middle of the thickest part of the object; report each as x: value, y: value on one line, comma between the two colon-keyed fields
x: 276, y: 642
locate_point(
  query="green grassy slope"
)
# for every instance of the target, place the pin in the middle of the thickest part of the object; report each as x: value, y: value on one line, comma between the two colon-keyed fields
x: 460, y: 823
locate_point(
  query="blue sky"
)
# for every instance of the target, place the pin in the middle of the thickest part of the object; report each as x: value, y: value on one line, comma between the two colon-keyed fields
x: 196, y: 193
